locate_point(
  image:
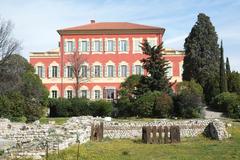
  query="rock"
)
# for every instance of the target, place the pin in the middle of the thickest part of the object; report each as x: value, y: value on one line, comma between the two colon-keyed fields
x: 108, y: 119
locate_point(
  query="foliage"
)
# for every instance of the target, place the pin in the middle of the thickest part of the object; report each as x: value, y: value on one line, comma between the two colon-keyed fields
x: 101, y: 108
x: 144, y: 104
x: 79, y: 107
x: 124, y: 107
x: 234, y: 82
x: 156, y: 67
x: 188, y: 100
x: 19, y: 81
x: 223, y: 80
x: 128, y: 87
x: 163, y: 107
x: 228, y: 71
x: 201, y: 62
x: 229, y: 103
x: 12, y: 106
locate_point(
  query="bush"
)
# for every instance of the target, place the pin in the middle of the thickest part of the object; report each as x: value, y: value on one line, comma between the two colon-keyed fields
x: 188, y: 100
x: 144, y: 105
x: 101, y: 108
x: 80, y: 107
x: 229, y: 103
x: 163, y: 106
x: 123, y: 107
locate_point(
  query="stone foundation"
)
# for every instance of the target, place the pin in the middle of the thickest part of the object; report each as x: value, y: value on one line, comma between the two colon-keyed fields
x: 19, y: 139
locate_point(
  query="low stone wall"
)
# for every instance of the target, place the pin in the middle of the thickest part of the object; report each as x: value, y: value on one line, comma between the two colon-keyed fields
x: 188, y: 128
x: 19, y: 139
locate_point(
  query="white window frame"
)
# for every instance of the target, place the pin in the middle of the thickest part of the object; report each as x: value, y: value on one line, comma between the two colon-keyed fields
x: 140, y: 40
x: 170, y: 70
x: 93, y: 46
x: 152, y: 40
x: 120, y: 45
x: 107, y: 51
x: 66, y: 48
x: 80, y: 45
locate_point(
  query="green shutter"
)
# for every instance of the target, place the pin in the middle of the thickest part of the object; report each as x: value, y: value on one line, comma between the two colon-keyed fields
x: 79, y: 45
x: 88, y: 45
x: 133, y: 69
x: 93, y: 71
x: 43, y: 71
x: 50, y: 71
x: 74, y: 46
x: 65, y: 46
x: 119, y: 70
x: 114, y: 71
x: 101, y: 71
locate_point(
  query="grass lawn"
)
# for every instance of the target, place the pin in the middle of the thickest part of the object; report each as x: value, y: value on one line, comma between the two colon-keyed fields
x: 189, y: 149
x: 59, y: 120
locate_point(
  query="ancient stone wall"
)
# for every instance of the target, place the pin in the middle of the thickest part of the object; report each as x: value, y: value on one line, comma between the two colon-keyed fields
x: 19, y: 139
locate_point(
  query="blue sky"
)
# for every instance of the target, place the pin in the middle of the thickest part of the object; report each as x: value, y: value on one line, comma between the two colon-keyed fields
x: 36, y: 22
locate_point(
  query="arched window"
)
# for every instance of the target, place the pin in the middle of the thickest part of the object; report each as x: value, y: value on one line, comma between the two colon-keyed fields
x: 54, y: 92
x: 54, y: 70
x: 123, y: 69
x: 96, y: 70
x: 69, y: 92
x: 96, y: 92
x: 110, y: 70
x: 137, y: 68
x: 40, y: 70
x: 84, y: 92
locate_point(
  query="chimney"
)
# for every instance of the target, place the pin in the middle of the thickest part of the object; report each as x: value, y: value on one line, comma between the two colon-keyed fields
x: 92, y: 21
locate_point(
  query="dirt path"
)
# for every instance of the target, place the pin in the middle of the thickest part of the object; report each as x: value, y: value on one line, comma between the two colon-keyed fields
x: 212, y: 114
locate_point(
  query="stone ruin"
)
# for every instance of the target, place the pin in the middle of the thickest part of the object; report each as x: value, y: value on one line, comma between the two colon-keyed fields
x: 31, y: 140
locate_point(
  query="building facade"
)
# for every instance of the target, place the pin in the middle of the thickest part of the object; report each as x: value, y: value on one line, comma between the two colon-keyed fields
x: 109, y: 52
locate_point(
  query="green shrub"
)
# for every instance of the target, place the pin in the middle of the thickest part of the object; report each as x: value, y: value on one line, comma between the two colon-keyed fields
x: 123, y: 107
x: 59, y: 107
x: 188, y: 100
x: 163, y: 106
x: 101, y: 108
x: 229, y: 103
x: 144, y: 104
x: 80, y: 107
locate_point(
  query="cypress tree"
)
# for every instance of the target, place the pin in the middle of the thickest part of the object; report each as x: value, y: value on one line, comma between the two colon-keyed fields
x: 223, y: 83
x: 201, y: 61
x: 228, y: 72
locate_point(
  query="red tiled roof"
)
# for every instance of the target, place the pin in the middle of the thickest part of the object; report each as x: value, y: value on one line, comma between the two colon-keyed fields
x: 111, y: 26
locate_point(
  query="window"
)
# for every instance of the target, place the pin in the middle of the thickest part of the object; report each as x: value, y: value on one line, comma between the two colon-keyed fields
x: 97, y: 94
x: 70, y: 46
x: 97, y: 71
x: 54, y: 94
x: 110, y: 45
x: 110, y: 70
x: 54, y: 71
x: 84, y: 93
x: 69, y: 71
x: 84, y: 71
x: 137, y: 44
x: 84, y: 46
x: 123, y: 71
x: 97, y: 45
x: 110, y: 93
x: 138, y: 69
x: 123, y: 45
x: 40, y: 71
x: 69, y: 94
x: 152, y: 42
x: 169, y: 71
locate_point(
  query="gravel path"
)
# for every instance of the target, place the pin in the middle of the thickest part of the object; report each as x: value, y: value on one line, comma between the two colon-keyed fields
x: 212, y: 114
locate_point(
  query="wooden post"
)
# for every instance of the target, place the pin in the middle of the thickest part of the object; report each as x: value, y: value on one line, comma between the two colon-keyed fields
x: 154, y: 133
x: 160, y: 135
x: 165, y: 135
x: 101, y: 131
x: 175, y: 134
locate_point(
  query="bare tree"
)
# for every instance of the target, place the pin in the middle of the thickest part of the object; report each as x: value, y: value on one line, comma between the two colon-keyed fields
x: 8, y: 45
x: 77, y: 62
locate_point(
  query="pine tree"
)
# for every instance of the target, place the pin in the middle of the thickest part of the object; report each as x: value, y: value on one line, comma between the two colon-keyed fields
x: 201, y: 61
x: 156, y: 67
x: 223, y: 83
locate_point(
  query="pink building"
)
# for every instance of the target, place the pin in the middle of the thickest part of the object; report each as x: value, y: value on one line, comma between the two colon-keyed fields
x: 111, y: 53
